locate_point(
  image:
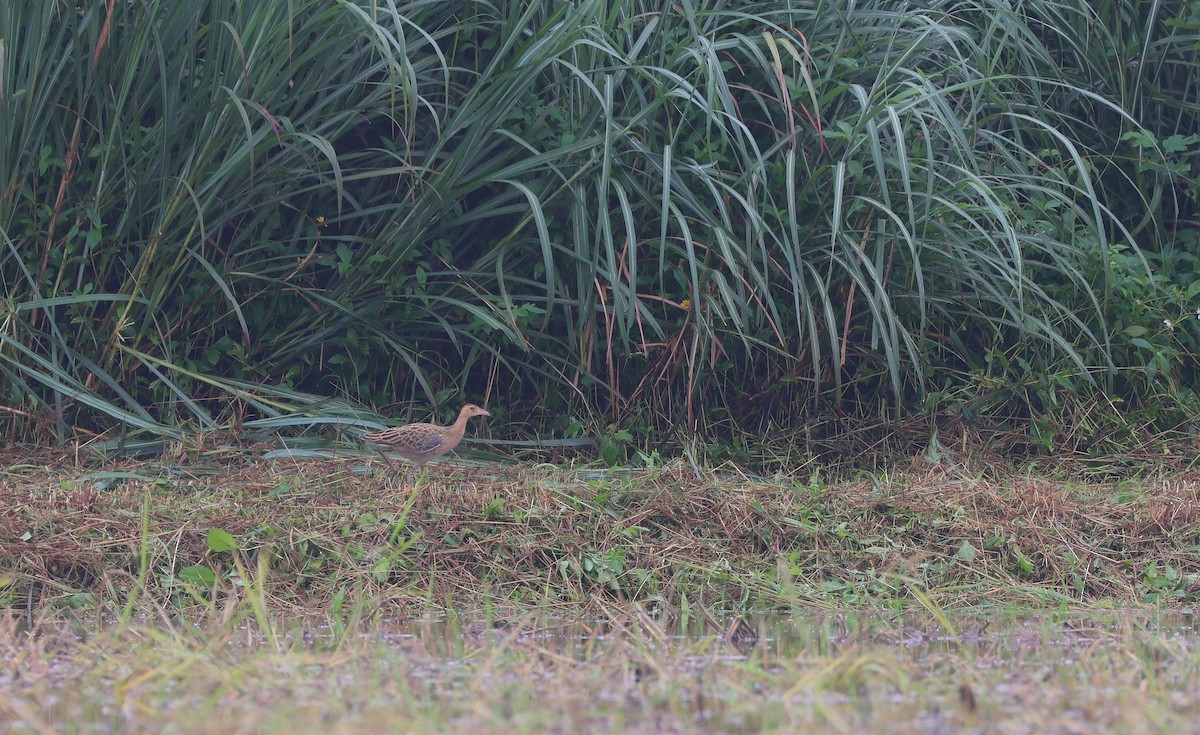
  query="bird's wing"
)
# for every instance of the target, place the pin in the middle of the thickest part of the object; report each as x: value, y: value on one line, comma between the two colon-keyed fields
x: 417, y: 438
x: 423, y: 441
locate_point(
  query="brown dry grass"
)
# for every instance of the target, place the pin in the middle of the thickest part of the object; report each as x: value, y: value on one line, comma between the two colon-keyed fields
x: 560, y: 536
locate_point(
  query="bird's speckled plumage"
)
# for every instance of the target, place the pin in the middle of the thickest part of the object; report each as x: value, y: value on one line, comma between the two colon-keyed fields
x: 419, y: 443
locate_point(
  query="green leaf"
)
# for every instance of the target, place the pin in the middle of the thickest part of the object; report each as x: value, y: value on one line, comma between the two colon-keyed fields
x: 198, y: 574
x: 966, y: 552
x: 219, y: 541
x: 1177, y: 143
x: 381, y: 569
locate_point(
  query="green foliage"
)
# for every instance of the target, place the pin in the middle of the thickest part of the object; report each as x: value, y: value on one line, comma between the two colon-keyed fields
x: 198, y: 575
x: 1167, y: 583
x: 624, y: 213
x: 219, y: 541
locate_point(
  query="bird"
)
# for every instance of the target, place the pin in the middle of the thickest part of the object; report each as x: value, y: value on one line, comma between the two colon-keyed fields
x: 419, y: 443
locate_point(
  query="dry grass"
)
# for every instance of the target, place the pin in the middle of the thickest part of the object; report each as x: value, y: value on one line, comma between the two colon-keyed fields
x: 551, y: 536
x: 547, y: 600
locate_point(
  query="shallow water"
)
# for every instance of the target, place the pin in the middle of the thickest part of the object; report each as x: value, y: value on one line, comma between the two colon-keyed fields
x: 1081, y: 672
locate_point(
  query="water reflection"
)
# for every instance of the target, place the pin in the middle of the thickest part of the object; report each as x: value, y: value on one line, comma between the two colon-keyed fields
x: 777, y: 635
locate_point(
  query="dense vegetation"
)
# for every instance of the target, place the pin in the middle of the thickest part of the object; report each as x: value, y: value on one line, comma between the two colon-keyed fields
x: 602, y: 218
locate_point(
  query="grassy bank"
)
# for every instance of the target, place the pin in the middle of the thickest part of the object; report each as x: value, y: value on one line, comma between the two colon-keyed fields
x: 328, y: 535
x: 252, y: 595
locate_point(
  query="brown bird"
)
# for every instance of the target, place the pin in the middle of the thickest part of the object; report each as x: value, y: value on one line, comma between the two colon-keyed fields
x: 419, y: 443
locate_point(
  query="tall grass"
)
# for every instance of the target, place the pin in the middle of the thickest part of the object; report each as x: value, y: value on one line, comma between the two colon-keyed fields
x: 624, y: 213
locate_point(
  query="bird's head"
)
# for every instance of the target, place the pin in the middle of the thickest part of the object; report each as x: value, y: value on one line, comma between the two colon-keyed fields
x: 471, y: 409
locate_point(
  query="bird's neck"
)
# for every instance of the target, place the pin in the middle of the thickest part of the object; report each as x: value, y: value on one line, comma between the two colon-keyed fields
x: 460, y: 424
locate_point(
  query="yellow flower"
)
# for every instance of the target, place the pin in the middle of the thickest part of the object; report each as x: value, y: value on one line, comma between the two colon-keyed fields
x: 685, y: 304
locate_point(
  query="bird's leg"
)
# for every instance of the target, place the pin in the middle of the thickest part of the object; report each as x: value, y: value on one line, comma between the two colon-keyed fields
x: 415, y: 473
x: 409, y: 470
x: 395, y: 470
